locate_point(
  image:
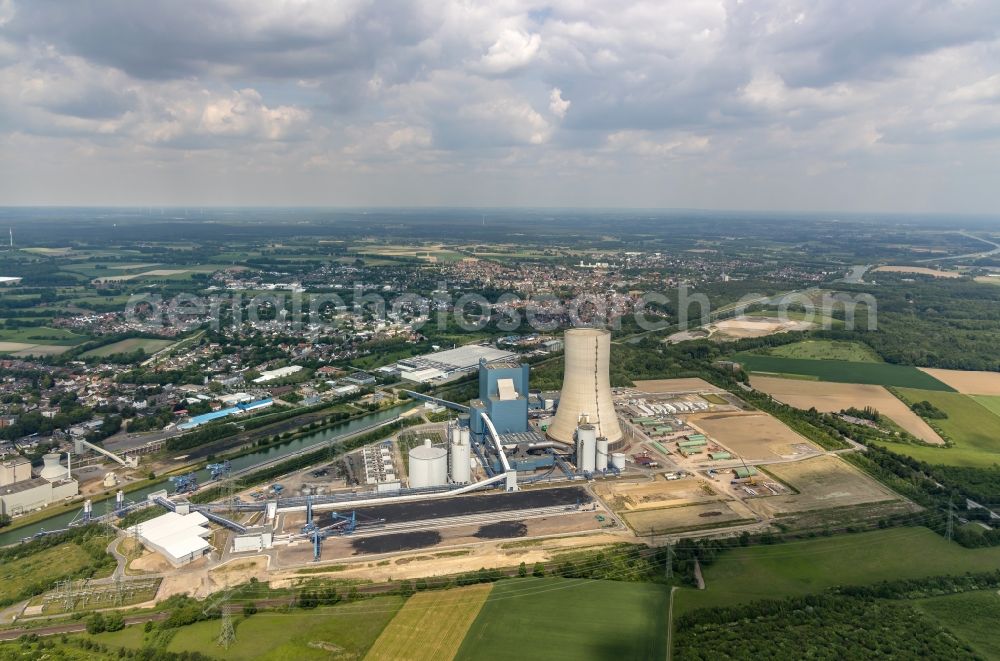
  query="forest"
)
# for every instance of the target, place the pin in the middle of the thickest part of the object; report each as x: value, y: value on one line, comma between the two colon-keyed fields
x: 816, y: 627
x: 953, y: 324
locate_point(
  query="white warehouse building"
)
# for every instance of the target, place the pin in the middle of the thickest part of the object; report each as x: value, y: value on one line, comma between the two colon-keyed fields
x: 180, y: 538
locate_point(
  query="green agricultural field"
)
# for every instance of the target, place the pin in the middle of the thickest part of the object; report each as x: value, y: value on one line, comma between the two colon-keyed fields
x: 796, y: 568
x: 148, y: 346
x: 431, y: 625
x: 828, y: 350
x: 992, y: 403
x: 557, y: 618
x: 41, y: 335
x: 971, y: 616
x: 972, y: 425
x: 842, y: 371
x: 132, y: 636
x: 345, y: 631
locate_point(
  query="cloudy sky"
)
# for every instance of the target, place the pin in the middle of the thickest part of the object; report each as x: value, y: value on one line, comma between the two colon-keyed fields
x: 882, y: 105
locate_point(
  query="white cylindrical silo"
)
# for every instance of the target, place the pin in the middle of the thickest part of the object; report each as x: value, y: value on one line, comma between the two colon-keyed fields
x: 602, y: 454
x: 586, y: 448
x: 586, y: 386
x: 618, y: 460
x: 464, y: 434
x: 428, y: 466
x: 461, y: 471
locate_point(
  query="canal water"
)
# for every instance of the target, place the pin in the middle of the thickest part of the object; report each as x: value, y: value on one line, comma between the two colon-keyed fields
x: 246, y: 461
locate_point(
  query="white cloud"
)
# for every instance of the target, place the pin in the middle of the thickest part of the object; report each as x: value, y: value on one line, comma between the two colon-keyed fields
x: 513, y: 49
x: 243, y: 114
x: 506, y: 119
x: 565, y: 91
x: 558, y: 105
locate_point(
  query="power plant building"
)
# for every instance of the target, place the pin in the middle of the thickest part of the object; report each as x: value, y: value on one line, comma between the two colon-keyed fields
x: 20, y: 493
x: 586, y: 391
x: 503, y: 396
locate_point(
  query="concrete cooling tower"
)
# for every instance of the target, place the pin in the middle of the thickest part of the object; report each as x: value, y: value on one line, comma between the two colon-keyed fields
x: 586, y: 388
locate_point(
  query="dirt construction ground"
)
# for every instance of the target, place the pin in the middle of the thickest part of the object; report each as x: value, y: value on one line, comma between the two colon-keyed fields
x: 652, y: 494
x: 743, y: 327
x: 689, y: 517
x: 967, y: 383
x: 822, y: 482
x: 439, y: 563
x: 833, y: 397
x: 752, y: 436
x: 675, y: 385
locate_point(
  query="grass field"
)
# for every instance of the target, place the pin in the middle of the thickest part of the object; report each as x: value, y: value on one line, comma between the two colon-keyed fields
x: 345, y: 631
x: 556, y: 618
x: 42, y: 568
x: 149, y: 346
x: 972, y: 616
x: 431, y: 625
x: 797, y: 568
x: 974, y: 428
x: 128, y: 637
x: 40, y: 335
x: 990, y: 402
x: 828, y: 350
x: 842, y: 371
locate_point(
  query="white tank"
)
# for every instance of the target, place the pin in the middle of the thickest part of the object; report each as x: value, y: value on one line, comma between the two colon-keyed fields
x: 52, y: 470
x: 460, y: 455
x: 602, y: 454
x: 618, y: 460
x: 586, y: 386
x: 586, y: 448
x: 428, y: 466
x: 464, y: 434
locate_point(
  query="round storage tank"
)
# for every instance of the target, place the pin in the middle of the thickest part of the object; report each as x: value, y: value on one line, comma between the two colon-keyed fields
x: 428, y: 466
x: 52, y: 470
x: 460, y: 454
x: 586, y: 448
x: 618, y: 460
x: 602, y: 454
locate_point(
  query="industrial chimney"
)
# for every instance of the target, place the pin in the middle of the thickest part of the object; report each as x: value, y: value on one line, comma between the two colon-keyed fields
x: 586, y: 389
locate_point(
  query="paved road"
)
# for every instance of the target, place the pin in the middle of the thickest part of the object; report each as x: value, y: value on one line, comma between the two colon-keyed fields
x: 670, y: 625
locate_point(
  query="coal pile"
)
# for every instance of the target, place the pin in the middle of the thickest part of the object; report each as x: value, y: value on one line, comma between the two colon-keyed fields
x: 502, y: 530
x: 404, y: 541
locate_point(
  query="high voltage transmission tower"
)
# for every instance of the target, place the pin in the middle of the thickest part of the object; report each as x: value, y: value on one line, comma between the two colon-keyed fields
x: 228, y: 634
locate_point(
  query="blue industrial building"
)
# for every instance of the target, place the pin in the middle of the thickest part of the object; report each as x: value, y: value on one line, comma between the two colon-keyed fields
x: 503, y: 396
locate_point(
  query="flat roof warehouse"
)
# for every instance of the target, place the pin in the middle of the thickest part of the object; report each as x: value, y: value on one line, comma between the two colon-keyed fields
x: 448, y: 364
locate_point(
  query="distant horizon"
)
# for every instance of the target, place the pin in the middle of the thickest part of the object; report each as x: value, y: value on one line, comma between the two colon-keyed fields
x: 552, y: 208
